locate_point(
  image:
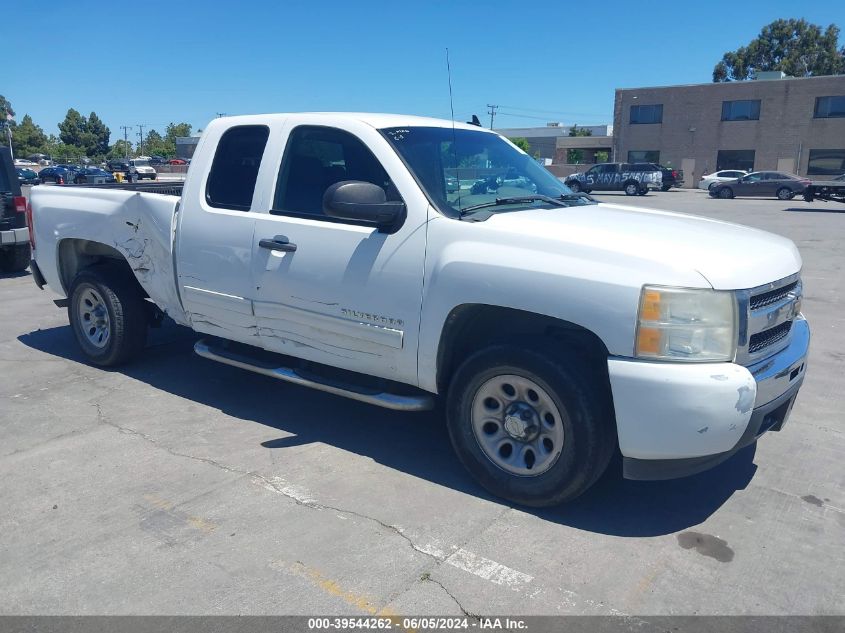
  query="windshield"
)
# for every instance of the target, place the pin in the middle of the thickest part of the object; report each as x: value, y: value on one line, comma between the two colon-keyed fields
x: 141, y: 162
x: 463, y: 171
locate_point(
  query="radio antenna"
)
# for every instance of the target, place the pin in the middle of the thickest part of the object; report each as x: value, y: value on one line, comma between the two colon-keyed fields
x: 454, y: 135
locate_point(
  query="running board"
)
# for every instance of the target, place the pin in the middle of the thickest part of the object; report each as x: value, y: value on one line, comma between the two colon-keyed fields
x: 422, y: 402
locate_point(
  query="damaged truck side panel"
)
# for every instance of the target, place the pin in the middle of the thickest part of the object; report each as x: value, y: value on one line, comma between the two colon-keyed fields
x: 137, y: 227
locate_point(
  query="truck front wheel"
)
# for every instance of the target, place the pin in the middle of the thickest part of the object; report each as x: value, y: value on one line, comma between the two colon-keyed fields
x: 632, y: 188
x: 531, y: 428
x: 108, y: 316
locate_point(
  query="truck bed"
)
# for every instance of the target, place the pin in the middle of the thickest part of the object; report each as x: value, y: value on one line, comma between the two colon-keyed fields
x: 133, y: 221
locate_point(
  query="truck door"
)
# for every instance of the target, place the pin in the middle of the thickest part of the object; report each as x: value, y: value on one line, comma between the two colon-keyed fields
x: 214, y: 252
x: 338, y: 292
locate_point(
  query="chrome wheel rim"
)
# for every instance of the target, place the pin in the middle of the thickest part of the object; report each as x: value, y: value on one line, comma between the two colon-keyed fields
x: 631, y: 189
x: 517, y: 425
x: 93, y: 318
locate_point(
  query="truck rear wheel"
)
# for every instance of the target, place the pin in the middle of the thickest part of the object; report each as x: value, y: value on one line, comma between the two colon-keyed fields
x: 574, y: 185
x: 108, y: 316
x: 14, y: 259
x: 531, y: 428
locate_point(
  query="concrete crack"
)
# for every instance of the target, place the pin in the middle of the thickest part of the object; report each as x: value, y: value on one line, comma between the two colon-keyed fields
x: 426, y: 577
x: 274, y: 484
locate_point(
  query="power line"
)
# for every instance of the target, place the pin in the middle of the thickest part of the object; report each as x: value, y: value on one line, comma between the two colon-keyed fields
x: 141, y: 134
x: 492, y: 113
x: 126, y: 129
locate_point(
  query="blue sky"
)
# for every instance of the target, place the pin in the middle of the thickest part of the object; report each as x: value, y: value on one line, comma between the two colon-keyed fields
x: 153, y: 62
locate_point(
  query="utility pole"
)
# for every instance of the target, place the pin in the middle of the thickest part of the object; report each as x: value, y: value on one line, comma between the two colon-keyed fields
x: 141, y: 126
x: 492, y: 113
x: 126, y: 129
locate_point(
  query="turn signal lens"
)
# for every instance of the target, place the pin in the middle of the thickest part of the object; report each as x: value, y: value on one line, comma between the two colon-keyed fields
x: 686, y: 324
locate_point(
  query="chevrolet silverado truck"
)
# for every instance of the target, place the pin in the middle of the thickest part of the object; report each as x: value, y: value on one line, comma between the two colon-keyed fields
x: 635, y: 179
x: 14, y: 234
x: 328, y: 250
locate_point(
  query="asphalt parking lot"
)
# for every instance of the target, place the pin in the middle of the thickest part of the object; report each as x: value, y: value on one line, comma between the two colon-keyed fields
x: 180, y: 486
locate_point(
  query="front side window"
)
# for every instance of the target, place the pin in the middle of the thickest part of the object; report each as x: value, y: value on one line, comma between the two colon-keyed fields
x: 647, y: 113
x: 459, y: 168
x: 827, y: 107
x: 747, y: 110
x: 826, y: 162
x: 644, y: 156
x: 742, y: 159
x: 318, y: 157
x: 231, y: 181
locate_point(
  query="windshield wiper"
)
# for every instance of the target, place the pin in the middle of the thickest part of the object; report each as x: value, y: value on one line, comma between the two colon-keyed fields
x: 515, y: 200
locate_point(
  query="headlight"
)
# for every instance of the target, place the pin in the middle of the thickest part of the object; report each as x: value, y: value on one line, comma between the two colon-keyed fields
x: 686, y: 324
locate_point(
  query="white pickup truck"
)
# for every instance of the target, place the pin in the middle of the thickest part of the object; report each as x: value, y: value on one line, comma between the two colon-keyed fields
x: 400, y: 260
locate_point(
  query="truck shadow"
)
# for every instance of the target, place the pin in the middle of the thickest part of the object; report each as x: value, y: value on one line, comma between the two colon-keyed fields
x: 414, y: 443
x: 840, y: 209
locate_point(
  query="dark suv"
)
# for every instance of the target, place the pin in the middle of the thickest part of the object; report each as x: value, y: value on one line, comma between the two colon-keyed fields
x: 14, y: 236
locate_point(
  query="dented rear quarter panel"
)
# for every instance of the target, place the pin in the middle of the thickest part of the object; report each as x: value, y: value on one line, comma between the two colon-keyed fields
x: 140, y: 226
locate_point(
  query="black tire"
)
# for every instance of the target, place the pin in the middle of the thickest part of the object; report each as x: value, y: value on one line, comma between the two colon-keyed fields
x: 808, y: 196
x: 642, y: 191
x: 588, y: 423
x: 726, y: 193
x: 665, y: 187
x: 575, y: 186
x: 15, y: 259
x: 785, y: 193
x: 631, y: 188
x: 127, y: 315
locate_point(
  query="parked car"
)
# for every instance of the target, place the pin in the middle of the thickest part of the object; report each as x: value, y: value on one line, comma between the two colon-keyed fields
x: 176, y: 161
x: 632, y: 178
x: 557, y: 330
x: 120, y: 165
x: 723, y: 175
x: 58, y: 175
x: 27, y: 176
x: 21, y: 162
x: 14, y: 234
x: 158, y: 160
x: 761, y: 184
x: 832, y: 189
x: 93, y: 175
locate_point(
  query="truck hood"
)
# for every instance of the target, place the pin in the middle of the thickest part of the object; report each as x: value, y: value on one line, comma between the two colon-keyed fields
x: 729, y: 256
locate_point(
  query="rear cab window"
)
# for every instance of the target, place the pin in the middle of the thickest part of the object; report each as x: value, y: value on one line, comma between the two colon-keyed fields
x: 234, y: 171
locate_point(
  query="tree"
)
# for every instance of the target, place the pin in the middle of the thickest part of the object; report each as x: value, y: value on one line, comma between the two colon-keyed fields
x: 99, y: 134
x: 120, y: 149
x: 156, y: 145
x: 5, y: 109
x: 73, y: 129
x: 576, y: 156
x: 177, y: 130
x: 28, y: 138
x: 795, y: 47
x: 521, y: 143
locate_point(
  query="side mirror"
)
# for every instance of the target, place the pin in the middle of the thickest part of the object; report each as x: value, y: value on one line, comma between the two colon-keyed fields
x: 363, y: 202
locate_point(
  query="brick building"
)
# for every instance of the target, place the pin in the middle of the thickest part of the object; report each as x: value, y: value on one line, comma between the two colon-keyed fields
x: 771, y: 123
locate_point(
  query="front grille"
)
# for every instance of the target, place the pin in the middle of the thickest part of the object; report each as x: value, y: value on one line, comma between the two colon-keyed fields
x: 773, y: 296
x: 768, y: 337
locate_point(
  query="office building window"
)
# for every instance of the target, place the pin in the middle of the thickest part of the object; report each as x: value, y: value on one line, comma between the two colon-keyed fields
x: 735, y: 159
x: 647, y: 113
x: 748, y: 110
x: 827, y: 107
x: 826, y: 162
x: 644, y: 156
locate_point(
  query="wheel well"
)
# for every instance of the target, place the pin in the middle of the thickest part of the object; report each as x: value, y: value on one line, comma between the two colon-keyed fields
x: 76, y: 255
x: 469, y: 328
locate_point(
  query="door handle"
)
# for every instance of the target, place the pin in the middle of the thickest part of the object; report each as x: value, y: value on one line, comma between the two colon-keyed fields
x: 278, y: 245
